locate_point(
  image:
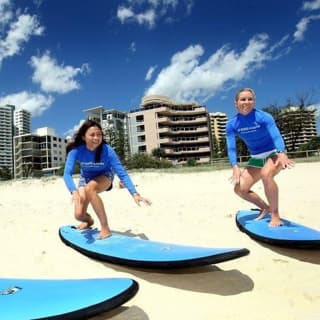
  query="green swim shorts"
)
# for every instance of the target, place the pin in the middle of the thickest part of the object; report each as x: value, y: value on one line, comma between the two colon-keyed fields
x: 259, y: 162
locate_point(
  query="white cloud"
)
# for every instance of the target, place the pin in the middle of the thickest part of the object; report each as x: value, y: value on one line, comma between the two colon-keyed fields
x: 133, y: 47
x: 70, y: 133
x: 19, y: 31
x: 186, y: 79
x: 311, y: 5
x: 148, y: 17
x: 153, y: 10
x: 302, y: 26
x: 126, y: 14
x: 33, y: 102
x: 55, y: 78
x: 5, y: 12
x: 150, y: 72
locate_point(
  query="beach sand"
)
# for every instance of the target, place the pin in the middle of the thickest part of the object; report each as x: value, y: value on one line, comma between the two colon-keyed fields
x: 187, y: 208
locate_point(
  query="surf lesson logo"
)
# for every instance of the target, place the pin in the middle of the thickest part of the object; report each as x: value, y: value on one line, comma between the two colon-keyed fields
x: 10, y: 290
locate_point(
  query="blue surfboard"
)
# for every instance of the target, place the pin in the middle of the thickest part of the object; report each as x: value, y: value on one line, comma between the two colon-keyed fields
x: 289, y: 234
x: 136, y: 252
x: 35, y: 299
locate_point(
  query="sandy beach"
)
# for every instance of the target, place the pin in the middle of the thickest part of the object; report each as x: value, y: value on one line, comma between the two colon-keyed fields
x: 187, y: 208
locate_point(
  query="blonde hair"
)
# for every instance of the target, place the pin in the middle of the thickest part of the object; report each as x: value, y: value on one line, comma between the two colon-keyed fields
x: 244, y: 89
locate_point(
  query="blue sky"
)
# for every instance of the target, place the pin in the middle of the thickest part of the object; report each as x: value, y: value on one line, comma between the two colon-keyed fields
x: 59, y: 57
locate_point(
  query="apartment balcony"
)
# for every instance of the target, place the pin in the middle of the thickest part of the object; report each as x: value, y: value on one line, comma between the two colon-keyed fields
x: 200, y: 130
x: 177, y: 141
x: 181, y: 121
x: 163, y: 110
x: 165, y: 130
x: 30, y: 153
x: 186, y: 151
x: 181, y: 111
x: 141, y: 143
x: 184, y: 130
x: 164, y: 120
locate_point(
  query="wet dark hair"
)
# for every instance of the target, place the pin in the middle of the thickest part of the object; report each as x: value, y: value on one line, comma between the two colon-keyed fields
x: 78, y: 138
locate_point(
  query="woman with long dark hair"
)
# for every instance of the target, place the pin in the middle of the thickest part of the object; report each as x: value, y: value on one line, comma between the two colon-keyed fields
x: 98, y: 163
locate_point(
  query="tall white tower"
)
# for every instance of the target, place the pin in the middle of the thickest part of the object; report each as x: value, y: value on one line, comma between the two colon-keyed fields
x: 6, y: 137
x: 22, y: 122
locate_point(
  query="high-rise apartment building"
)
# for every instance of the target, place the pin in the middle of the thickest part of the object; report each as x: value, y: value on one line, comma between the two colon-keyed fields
x: 218, y: 122
x: 300, y: 126
x: 95, y: 113
x: 109, y: 119
x: 22, y: 122
x: 180, y: 129
x: 6, y: 137
x: 39, y: 154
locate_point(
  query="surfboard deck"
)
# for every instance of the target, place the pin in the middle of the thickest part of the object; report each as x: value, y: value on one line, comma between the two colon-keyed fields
x: 35, y: 299
x: 136, y: 252
x: 289, y: 234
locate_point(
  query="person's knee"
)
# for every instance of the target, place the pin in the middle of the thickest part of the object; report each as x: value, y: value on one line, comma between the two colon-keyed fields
x: 90, y: 190
x: 267, y: 175
x: 79, y: 214
x: 238, y: 190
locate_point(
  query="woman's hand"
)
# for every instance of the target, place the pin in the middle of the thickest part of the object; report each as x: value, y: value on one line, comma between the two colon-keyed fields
x: 76, y: 197
x: 137, y: 198
x: 236, y: 173
x: 284, y: 161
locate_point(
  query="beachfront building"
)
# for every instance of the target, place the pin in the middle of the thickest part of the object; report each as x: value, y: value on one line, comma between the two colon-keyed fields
x: 109, y: 119
x: 218, y: 122
x: 299, y: 126
x: 6, y: 137
x: 180, y: 129
x: 22, y: 122
x: 38, y: 154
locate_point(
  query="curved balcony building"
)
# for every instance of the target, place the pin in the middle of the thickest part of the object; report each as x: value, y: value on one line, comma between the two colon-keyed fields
x: 181, y: 129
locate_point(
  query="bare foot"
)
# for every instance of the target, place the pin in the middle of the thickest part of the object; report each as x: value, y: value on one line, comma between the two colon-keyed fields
x: 86, y: 224
x: 262, y: 214
x: 104, y: 234
x: 275, y: 221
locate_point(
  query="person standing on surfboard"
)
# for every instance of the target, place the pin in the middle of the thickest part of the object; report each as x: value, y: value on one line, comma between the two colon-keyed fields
x: 262, y: 137
x: 98, y: 163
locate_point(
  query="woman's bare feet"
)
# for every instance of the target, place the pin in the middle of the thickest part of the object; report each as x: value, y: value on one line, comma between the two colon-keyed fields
x: 262, y: 214
x: 87, y: 223
x: 104, y: 233
x: 275, y: 220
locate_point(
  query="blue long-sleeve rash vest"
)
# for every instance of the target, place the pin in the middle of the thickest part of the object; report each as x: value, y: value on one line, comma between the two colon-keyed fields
x: 257, y: 129
x: 108, y: 165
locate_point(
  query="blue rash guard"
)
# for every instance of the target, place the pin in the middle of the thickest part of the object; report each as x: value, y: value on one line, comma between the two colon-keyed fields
x: 90, y: 169
x: 258, y: 131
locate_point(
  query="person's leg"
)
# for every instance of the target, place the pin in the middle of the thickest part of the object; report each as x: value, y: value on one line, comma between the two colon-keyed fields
x: 92, y: 189
x: 80, y: 210
x: 249, y: 177
x: 271, y: 190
